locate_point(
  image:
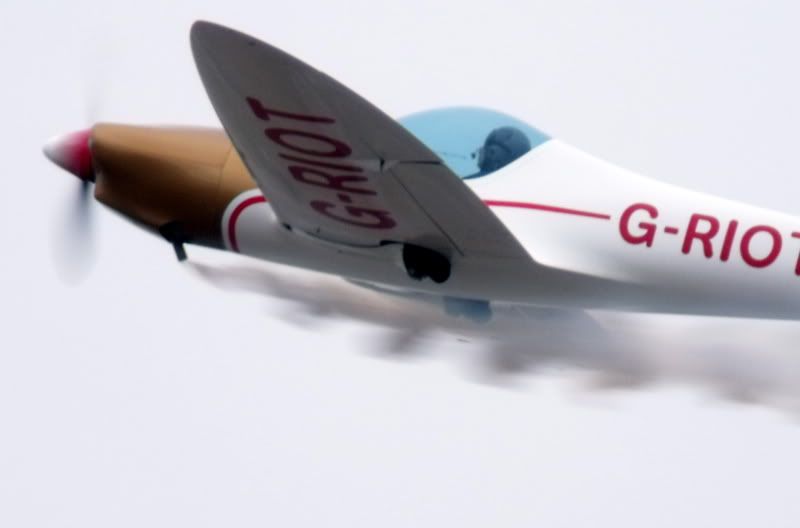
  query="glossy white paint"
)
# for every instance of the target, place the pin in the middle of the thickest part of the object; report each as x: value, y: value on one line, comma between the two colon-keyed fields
x: 569, y: 214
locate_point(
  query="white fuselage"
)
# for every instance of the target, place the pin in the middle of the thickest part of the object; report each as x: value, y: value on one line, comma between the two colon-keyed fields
x: 598, y: 236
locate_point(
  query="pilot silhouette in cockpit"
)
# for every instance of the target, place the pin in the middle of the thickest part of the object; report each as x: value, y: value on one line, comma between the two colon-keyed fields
x: 502, y: 146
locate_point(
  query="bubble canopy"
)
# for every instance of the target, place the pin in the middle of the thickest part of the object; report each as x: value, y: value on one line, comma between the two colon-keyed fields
x: 472, y: 141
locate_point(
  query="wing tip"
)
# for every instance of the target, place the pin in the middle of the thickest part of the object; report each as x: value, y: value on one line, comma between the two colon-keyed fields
x: 199, y: 27
x: 215, y: 43
x: 209, y: 34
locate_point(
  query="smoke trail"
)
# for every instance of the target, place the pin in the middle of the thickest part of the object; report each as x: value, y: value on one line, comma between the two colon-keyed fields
x: 743, y: 360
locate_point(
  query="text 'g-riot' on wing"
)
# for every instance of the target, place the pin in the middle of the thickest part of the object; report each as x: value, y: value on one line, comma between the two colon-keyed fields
x: 332, y: 164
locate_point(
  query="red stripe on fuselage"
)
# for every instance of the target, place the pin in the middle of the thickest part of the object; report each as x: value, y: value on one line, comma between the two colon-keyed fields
x: 547, y: 208
x: 235, y: 216
x: 491, y: 203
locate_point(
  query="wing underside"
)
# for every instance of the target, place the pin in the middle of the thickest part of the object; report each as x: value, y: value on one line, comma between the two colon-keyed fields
x: 332, y: 164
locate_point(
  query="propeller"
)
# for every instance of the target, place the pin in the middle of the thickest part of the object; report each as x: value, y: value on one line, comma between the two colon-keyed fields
x: 74, y: 247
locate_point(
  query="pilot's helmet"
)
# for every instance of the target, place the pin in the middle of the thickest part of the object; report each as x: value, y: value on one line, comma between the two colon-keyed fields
x: 502, y: 146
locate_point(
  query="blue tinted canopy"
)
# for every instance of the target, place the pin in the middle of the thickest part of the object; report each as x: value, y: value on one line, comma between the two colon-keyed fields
x: 473, y: 141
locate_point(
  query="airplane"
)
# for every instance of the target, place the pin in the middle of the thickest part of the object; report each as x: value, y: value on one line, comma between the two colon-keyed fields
x: 465, y: 205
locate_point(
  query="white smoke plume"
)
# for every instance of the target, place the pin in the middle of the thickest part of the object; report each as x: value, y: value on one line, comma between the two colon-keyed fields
x: 743, y: 360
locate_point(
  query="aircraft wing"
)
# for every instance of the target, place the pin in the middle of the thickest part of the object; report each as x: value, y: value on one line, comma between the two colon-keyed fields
x: 333, y: 165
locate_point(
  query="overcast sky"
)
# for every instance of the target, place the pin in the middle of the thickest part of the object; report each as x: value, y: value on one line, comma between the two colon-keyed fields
x: 145, y: 396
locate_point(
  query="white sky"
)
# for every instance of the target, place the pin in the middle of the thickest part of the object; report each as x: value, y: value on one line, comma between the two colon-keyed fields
x: 146, y: 397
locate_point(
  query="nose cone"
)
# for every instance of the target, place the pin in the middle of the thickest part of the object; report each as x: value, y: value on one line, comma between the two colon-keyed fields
x: 71, y: 152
